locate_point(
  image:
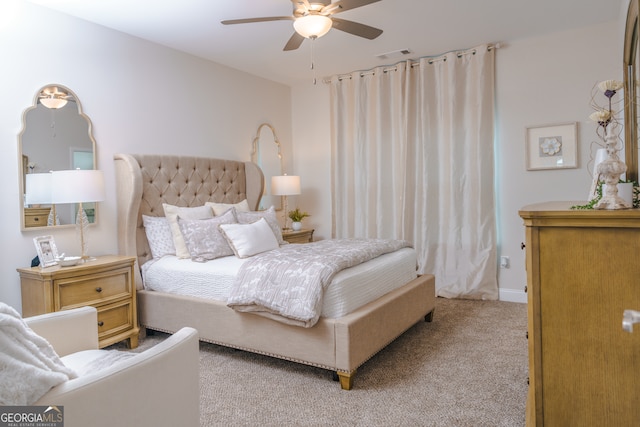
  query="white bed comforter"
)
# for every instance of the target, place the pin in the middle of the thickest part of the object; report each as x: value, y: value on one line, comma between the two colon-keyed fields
x: 287, y: 284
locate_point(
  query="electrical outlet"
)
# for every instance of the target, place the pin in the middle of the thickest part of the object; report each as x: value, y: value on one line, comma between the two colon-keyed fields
x: 504, y: 262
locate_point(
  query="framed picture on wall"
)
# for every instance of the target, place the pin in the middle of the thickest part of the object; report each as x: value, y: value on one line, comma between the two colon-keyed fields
x: 47, y: 251
x: 552, y: 146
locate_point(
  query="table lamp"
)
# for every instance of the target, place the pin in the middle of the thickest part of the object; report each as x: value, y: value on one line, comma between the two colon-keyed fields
x: 285, y: 185
x: 79, y: 186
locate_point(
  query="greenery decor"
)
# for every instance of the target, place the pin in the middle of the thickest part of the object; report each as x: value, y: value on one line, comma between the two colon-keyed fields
x: 297, y: 215
x: 596, y: 199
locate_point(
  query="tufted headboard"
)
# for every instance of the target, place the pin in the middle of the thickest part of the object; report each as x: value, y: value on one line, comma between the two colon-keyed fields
x: 145, y: 182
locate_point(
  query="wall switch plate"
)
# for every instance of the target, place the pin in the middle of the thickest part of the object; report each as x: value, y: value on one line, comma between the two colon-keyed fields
x: 504, y: 262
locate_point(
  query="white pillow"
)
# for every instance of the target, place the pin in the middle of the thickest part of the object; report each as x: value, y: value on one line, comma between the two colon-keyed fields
x: 172, y: 212
x: 269, y: 215
x: 203, y: 237
x: 220, y: 208
x: 250, y: 239
x: 159, y: 236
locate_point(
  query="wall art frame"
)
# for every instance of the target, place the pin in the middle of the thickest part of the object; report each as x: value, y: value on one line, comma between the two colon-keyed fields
x: 47, y: 251
x: 552, y: 146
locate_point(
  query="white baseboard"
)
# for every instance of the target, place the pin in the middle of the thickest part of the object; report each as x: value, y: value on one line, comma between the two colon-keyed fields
x: 512, y: 295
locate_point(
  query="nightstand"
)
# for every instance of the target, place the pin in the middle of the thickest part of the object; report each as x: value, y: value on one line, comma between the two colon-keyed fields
x: 106, y: 283
x: 36, y: 217
x: 300, y: 236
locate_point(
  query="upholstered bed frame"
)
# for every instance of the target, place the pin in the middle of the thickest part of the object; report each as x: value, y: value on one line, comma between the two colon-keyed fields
x: 341, y: 345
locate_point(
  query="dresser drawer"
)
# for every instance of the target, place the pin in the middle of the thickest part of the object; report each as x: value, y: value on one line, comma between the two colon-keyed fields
x: 114, y: 319
x: 92, y: 289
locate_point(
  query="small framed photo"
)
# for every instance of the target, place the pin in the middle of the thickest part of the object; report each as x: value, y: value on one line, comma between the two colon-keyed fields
x: 552, y: 146
x: 47, y: 251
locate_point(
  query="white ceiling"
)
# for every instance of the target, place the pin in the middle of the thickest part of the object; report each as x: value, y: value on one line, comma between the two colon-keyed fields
x: 426, y: 27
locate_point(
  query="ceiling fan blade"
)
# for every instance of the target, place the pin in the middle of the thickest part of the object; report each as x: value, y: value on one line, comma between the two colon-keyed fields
x: 250, y: 20
x: 294, y: 42
x: 356, y: 28
x: 342, y: 5
x: 301, y: 3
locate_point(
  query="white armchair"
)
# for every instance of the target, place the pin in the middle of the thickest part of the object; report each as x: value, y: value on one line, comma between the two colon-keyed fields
x: 159, y: 386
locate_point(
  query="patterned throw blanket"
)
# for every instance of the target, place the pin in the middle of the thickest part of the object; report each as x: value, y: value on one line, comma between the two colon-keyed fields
x: 287, y: 284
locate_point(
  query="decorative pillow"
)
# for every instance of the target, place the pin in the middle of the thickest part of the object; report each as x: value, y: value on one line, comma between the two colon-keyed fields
x: 269, y: 215
x: 159, y: 236
x: 220, y: 208
x: 203, y: 237
x: 172, y: 212
x: 250, y: 239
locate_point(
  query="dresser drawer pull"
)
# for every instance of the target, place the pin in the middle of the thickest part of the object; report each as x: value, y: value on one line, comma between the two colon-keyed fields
x: 522, y: 245
x: 101, y: 323
x: 98, y: 289
x: 526, y: 289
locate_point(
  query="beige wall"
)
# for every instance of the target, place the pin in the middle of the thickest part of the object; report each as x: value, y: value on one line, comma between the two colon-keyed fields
x: 141, y: 97
x: 147, y: 98
x: 539, y: 81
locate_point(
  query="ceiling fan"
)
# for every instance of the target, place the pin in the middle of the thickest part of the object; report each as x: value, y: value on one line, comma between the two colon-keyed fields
x: 54, y: 97
x: 314, y: 19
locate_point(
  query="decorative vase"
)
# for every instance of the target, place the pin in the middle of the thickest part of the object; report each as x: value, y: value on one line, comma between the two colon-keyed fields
x: 296, y: 226
x: 610, y: 170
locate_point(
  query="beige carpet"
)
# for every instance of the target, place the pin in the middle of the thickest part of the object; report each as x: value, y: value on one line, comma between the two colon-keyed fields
x: 466, y: 368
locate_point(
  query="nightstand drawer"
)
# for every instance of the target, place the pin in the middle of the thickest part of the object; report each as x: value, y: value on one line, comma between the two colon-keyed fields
x: 92, y: 289
x: 105, y: 283
x: 114, y: 318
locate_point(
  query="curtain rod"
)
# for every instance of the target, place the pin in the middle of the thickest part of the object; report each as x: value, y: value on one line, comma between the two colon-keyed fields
x: 432, y: 59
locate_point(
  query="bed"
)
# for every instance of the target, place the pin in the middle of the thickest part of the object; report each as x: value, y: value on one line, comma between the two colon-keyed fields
x: 340, y: 344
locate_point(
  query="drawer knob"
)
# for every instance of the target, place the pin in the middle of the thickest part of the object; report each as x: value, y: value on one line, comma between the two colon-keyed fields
x: 522, y: 245
x: 526, y: 289
x: 101, y: 323
x: 98, y: 289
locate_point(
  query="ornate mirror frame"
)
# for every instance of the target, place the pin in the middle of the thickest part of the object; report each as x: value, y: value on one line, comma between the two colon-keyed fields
x: 73, y: 153
x: 266, y: 152
x: 631, y: 81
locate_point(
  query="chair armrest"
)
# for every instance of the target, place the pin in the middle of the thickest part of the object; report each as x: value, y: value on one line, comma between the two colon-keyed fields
x: 159, y: 386
x: 68, y: 331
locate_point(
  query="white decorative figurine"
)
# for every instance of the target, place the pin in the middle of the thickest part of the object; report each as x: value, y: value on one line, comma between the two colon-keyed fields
x: 610, y: 170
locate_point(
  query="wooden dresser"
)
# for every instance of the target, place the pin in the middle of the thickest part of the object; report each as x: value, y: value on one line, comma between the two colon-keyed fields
x: 106, y: 283
x: 583, y: 271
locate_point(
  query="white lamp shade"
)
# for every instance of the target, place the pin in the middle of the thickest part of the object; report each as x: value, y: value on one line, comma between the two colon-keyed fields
x: 285, y: 185
x: 38, y: 189
x: 312, y: 25
x: 77, y: 186
x: 601, y: 156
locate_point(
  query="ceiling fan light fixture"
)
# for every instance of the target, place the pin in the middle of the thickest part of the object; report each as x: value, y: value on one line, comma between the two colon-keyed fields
x: 53, y: 102
x: 52, y: 97
x: 312, y: 26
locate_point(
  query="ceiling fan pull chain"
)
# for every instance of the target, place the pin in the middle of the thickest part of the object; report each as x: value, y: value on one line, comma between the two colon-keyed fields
x: 313, y: 67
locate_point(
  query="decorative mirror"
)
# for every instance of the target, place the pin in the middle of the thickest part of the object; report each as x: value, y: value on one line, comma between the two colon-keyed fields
x: 266, y: 152
x: 56, y: 135
x: 631, y: 81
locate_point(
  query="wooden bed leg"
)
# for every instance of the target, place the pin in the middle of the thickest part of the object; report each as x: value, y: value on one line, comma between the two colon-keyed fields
x: 429, y: 316
x: 346, y: 379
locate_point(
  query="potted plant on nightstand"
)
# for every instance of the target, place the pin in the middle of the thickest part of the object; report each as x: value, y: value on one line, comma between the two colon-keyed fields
x: 296, y: 217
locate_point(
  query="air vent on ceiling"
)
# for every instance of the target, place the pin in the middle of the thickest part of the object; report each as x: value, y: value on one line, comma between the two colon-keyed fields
x: 394, y: 54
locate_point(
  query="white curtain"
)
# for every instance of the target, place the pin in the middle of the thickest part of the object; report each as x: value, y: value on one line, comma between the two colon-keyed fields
x: 413, y: 159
